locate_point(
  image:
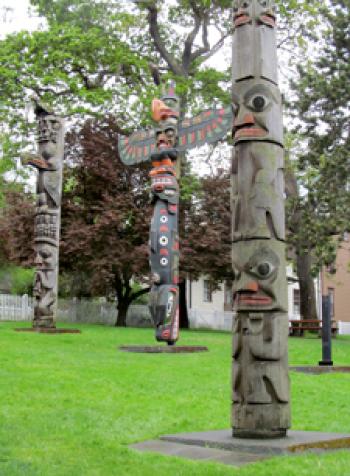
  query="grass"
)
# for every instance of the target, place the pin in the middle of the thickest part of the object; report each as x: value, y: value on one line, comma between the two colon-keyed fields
x: 71, y: 404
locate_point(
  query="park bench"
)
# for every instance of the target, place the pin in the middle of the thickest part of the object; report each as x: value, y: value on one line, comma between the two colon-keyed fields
x: 297, y: 327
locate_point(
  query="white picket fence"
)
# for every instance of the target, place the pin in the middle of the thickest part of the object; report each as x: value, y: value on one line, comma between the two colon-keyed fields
x: 20, y: 308
x: 16, y: 308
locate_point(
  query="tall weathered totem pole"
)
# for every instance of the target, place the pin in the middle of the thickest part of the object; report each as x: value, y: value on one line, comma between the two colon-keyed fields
x: 162, y: 145
x: 261, y: 401
x: 48, y: 161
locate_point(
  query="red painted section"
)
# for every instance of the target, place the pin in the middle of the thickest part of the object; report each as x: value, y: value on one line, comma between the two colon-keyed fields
x: 164, y: 252
x: 163, y: 211
x: 268, y: 20
x: 163, y: 229
x: 173, y: 208
x: 242, y: 19
x: 250, y: 132
x: 193, y: 137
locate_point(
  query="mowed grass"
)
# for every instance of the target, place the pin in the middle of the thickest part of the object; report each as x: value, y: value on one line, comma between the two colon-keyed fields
x: 71, y: 404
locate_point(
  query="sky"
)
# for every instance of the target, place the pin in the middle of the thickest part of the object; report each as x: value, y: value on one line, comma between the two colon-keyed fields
x: 14, y: 16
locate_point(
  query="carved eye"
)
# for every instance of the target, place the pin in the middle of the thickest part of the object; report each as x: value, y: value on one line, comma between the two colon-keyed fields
x: 45, y: 253
x: 263, y: 270
x: 263, y: 3
x: 245, y: 4
x: 258, y: 102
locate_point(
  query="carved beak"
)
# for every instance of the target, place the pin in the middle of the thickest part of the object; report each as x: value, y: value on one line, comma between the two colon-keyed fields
x: 245, y: 127
x: 251, y: 295
x: 161, y: 112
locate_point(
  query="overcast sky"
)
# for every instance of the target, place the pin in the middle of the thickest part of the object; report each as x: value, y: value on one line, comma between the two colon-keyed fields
x: 14, y: 16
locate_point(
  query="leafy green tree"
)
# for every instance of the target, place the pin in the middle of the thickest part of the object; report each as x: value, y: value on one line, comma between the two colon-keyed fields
x: 318, y: 187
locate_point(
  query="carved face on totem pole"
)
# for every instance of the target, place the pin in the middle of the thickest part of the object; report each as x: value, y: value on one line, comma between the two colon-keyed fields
x: 259, y: 269
x: 166, y: 113
x: 49, y: 130
x: 258, y: 112
x: 243, y: 12
x: 45, y: 262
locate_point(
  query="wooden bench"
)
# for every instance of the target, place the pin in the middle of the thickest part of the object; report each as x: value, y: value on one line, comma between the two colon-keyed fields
x: 297, y: 327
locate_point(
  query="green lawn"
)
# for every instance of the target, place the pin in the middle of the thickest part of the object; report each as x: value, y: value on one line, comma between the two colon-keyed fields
x: 71, y: 404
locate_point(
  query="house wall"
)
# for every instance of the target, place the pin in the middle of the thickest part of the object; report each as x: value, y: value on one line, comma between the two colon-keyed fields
x: 340, y: 282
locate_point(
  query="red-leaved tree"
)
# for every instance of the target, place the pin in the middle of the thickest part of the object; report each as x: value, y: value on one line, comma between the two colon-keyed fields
x: 105, y: 215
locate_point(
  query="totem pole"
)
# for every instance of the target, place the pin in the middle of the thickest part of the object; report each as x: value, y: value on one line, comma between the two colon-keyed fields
x: 162, y: 146
x: 261, y: 407
x: 48, y: 162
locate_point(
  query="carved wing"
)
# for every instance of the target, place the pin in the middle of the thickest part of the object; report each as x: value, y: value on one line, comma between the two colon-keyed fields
x: 208, y: 127
x: 137, y: 147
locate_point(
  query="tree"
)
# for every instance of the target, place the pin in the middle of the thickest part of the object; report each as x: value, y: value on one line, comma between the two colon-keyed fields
x: 319, y: 185
x: 206, y: 243
x: 105, y: 215
x: 17, y: 229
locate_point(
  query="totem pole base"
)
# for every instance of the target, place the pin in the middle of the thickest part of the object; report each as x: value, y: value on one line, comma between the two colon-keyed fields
x: 158, y: 349
x: 221, y: 447
x: 260, y: 421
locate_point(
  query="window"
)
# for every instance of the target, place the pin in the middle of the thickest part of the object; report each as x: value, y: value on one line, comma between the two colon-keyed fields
x: 207, y: 291
x: 296, y: 301
x: 331, y: 301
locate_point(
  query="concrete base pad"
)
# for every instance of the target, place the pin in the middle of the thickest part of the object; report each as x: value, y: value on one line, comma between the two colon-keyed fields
x: 166, y: 349
x: 48, y: 330
x: 222, y: 447
x: 322, y: 369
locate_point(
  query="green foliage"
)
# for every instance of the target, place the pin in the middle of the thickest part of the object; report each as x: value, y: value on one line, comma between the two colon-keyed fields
x: 322, y: 135
x: 85, y: 402
x: 143, y: 298
x: 20, y: 280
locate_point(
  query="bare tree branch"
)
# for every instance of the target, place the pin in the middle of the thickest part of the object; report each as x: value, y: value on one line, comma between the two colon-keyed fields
x: 206, y: 47
x: 158, y: 42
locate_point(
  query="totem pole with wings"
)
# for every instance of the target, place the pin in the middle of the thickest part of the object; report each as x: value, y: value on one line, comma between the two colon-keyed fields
x: 162, y: 145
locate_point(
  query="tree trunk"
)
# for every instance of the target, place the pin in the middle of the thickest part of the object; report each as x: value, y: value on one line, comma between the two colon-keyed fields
x: 122, y: 308
x: 184, y: 322
x: 307, y: 288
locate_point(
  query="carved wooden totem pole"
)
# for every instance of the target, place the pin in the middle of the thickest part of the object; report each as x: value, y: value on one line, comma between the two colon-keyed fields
x: 261, y: 407
x: 162, y: 146
x: 48, y: 162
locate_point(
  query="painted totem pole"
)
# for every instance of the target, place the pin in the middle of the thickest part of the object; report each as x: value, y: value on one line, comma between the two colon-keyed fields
x: 261, y: 407
x: 162, y: 145
x: 48, y: 162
